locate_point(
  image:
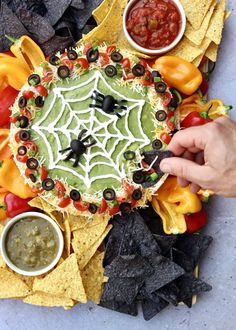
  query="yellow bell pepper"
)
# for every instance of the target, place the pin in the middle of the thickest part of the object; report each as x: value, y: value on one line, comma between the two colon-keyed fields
x: 185, y: 201
x: 5, y: 151
x: 14, y: 72
x: 11, y: 180
x: 216, y: 108
x: 3, y: 214
x: 26, y: 50
x: 178, y: 73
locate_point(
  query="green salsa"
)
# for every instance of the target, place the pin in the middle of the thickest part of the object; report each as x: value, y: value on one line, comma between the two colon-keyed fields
x: 32, y: 244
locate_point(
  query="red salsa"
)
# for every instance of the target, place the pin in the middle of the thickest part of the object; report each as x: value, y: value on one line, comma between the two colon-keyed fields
x: 154, y: 24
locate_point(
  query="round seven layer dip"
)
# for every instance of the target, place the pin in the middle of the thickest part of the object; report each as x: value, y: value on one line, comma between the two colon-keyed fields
x: 89, y: 129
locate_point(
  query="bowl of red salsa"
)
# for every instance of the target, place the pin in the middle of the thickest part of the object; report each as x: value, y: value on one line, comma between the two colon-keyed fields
x: 154, y: 26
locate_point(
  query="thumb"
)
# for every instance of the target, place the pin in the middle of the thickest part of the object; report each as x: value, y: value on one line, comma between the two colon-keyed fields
x: 186, y: 169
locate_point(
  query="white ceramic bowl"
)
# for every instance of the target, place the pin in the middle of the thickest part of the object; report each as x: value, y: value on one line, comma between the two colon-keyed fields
x: 155, y: 51
x: 3, y: 245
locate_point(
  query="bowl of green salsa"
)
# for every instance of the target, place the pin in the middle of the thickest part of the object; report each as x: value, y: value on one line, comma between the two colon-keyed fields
x: 31, y: 243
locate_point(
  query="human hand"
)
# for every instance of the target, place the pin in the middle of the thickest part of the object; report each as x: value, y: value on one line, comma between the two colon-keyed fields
x: 206, y: 157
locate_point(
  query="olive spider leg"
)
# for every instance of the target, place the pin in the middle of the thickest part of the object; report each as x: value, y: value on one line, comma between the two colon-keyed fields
x: 120, y: 107
x: 81, y: 134
x: 64, y: 150
x: 69, y: 156
x: 76, y: 162
x: 89, y: 144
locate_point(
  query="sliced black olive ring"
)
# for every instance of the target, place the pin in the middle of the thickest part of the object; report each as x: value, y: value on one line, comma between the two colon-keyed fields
x: 39, y: 101
x: 92, y: 55
x: 137, y: 194
x: 32, y: 163
x: 72, y: 55
x: 109, y: 194
x: 129, y: 155
x: 75, y: 195
x: 22, y: 150
x: 173, y: 103
x: 32, y: 178
x: 160, y: 87
x: 54, y: 60
x: 157, y: 144
x: 24, y: 135
x: 138, y: 177
x: 48, y: 184
x: 63, y: 71
x: 111, y: 71
x: 93, y: 208
x: 22, y: 102
x: 138, y: 70
x: 125, y: 208
x: 161, y: 115
x: 24, y: 121
x: 116, y: 57
x: 34, y: 79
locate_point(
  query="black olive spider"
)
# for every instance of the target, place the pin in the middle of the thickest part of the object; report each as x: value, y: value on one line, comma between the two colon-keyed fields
x: 78, y: 147
x: 107, y: 103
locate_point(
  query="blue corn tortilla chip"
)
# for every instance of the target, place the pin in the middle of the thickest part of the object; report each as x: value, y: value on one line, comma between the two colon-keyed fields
x: 169, y: 292
x: 57, y: 43
x: 152, y: 219
x: 151, y: 308
x: 165, y: 242
x: 180, y: 258
x: 130, y: 309
x: 150, y: 156
x: 129, y: 266
x: 56, y: 10
x: 78, y: 4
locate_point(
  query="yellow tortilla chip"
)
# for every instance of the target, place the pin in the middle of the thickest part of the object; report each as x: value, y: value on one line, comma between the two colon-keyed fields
x: 101, y: 11
x: 197, y: 60
x: 77, y: 222
x: 12, y: 286
x: 216, y: 25
x: 28, y: 280
x: 197, y: 36
x: 212, y: 52
x: 67, y: 237
x: 186, y: 50
x: 204, y: 45
x: 93, y: 278
x: 227, y: 15
x: 111, y: 27
x: 196, y: 11
x: 64, y: 281
x: 84, y: 259
x: 48, y: 300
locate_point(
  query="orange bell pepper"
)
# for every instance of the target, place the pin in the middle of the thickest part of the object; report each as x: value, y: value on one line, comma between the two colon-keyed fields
x: 5, y: 151
x: 11, y: 179
x: 178, y: 73
x: 3, y: 213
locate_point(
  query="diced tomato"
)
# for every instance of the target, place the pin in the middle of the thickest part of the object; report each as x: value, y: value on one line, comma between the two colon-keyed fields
x: 87, y: 47
x: 114, y: 210
x: 28, y: 94
x: 17, y: 137
x: 13, y: 119
x: 47, y: 76
x: 41, y: 90
x: 60, y: 189
x: 128, y: 187
x: 165, y: 137
x: 81, y: 206
x: 37, y: 190
x: 43, y: 173
x: 103, y: 58
x: 125, y: 63
x: 111, y: 49
x: 128, y: 76
x: 68, y: 63
x: 166, y: 98
x: 143, y: 62
x: 133, y: 203
x: 31, y: 146
x: 121, y: 199
x: 28, y: 172
x: 22, y: 158
x: 64, y: 202
x: 148, y: 78
x: 103, y: 206
x: 83, y: 63
x: 26, y: 113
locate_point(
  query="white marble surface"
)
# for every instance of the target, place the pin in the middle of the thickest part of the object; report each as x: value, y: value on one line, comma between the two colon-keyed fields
x: 215, y: 310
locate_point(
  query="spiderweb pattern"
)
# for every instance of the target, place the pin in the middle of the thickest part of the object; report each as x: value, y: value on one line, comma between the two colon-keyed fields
x: 103, y: 131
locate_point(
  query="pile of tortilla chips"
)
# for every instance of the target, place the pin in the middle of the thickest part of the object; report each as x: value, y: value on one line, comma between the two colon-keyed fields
x: 205, y: 23
x: 77, y: 278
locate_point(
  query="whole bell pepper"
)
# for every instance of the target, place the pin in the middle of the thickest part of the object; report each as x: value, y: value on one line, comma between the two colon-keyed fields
x: 3, y: 213
x: 7, y: 97
x: 15, y: 205
x: 196, y: 221
x: 11, y: 179
x: 27, y: 51
x: 178, y: 73
x: 195, y: 118
x: 5, y: 151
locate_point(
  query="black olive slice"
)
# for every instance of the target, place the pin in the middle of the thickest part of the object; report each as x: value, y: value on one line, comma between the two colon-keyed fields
x: 116, y: 57
x: 173, y: 103
x: 75, y: 195
x: 22, y: 102
x: 138, y: 177
x: 54, y: 60
x: 22, y: 150
x: 63, y: 71
x: 138, y: 70
x: 92, y: 55
x: 32, y: 163
x: 24, y: 135
x: 125, y: 208
x: 137, y: 194
x: 157, y: 144
x: 111, y: 71
x: 93, y: 208
x: 48, y: 184
x: 129, y: 155
x: 24, y: 121
x: 160, y: 87
x: 32, y: 178
x: 34, y: 79
x: 155, y: 74
x: 72, y: 55
x: 39, y: 101
x: 161, y: 115
x: 109, y: 194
